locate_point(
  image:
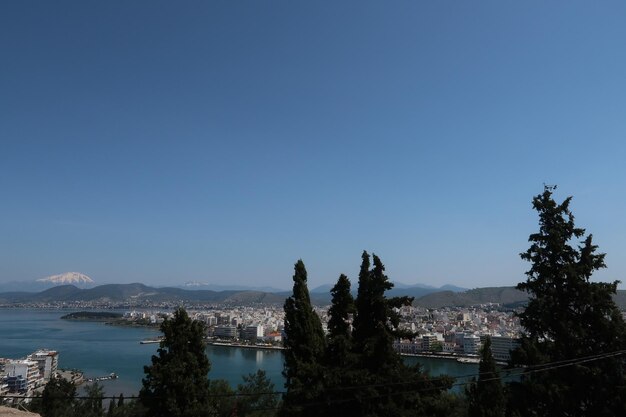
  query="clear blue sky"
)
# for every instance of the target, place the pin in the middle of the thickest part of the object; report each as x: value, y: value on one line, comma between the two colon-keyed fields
x: 220, y: 141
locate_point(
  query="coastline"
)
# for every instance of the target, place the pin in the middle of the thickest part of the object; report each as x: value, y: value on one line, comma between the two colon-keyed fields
x: 245, y: 346
x: 472, y: 359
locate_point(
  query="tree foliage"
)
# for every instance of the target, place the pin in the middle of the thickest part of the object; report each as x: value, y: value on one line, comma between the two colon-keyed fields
x: 568, y: 318
x: 257, y: 397
x: 305, y: 347
x: 359, y: 373
x: 91, y: 406
x: 57, y: 399
x: 339, y: 328
x: 176, y: 384
x: 486, y: 396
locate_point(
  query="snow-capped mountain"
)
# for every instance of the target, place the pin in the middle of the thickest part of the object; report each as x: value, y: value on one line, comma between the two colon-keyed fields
x: 68, y: 278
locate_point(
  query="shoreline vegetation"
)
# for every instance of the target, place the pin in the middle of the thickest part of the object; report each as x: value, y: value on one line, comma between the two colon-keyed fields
x: 109, y: 318
x: 92, y: 316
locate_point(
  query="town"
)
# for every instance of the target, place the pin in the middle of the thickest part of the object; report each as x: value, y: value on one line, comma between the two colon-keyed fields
x: 453, y: 333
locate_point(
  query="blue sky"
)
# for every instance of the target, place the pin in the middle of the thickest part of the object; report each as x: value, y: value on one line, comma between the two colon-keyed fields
x: 165, y: 142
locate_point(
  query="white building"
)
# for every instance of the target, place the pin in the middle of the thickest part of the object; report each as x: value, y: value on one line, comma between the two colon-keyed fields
x: 471, y: 344
x: 29, y: 370
x: 48, y: 361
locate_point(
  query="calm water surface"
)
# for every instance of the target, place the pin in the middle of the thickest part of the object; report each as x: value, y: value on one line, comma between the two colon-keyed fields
x: 98, y: 350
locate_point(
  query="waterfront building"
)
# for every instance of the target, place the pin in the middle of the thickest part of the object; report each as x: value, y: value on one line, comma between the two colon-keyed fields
x: 253, y: 332
x: 4, y: 387
x: 16, y: 384
x: 225, y: 332
x: 428, y: 342
x: 449, y: 347
x: 29, y: 370
x: 47, y: 362
x: 407, y: 346
x: 471, y: 344
x: 274, y: 337
x: 501, y: 347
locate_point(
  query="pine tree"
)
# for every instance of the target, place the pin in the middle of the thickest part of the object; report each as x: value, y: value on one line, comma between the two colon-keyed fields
x: 486, y: 396
x: 305, y: 346
x: 176, y: 384
x: 568, y: 318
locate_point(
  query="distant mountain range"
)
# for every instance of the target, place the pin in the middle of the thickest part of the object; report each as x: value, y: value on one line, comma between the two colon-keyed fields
x: 140, y: 293
x: 117, y: 293
x: 197, y: 285
x: 321, y: 294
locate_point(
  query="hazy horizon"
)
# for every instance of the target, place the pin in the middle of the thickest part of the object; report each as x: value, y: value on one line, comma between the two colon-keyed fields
x: 161, y: 142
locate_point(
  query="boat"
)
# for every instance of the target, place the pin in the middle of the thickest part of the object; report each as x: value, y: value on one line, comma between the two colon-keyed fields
x: 149, y: 341
x: 468, y: 360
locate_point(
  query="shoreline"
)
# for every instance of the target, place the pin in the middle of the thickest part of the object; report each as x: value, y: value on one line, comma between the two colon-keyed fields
x: 241, y: 345
x: 465, y: 359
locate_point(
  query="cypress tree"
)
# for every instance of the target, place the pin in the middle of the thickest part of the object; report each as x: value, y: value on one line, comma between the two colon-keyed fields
x: 389, y: 386
x: 568, y: 318
x: 177, y: 384
x: 111, y: 409
x: 486, y: 396
x: 376, y: 322
x: 363, y: 314
x: 339, y: 331
x: 305, y: 347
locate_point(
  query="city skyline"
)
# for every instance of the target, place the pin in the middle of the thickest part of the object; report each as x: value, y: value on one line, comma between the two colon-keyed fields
x: 163, y: 143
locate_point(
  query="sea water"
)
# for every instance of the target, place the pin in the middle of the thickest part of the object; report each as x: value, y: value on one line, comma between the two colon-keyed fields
x: 98, y: 349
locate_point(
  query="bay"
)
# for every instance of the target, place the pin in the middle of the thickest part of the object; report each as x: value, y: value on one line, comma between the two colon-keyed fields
x: 98, y: 349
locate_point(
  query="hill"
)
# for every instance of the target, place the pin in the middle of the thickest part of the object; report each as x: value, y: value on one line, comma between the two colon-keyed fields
x: 142, y: 294
x: 499, y: 295
x: 117, y: 293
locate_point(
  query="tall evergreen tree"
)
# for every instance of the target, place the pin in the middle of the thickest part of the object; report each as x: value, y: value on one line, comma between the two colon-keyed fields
x: 388, y: 387
x: 340, y: 361
x: 177, y: 384
x: 305, y: 347
x: 363, y: 314
x: 339, y: 329
x: 568, y: 318
x: 376, y: 322
x: 486, y: 396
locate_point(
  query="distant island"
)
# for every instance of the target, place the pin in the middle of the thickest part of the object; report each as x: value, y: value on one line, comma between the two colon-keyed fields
x: 92, y: 316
